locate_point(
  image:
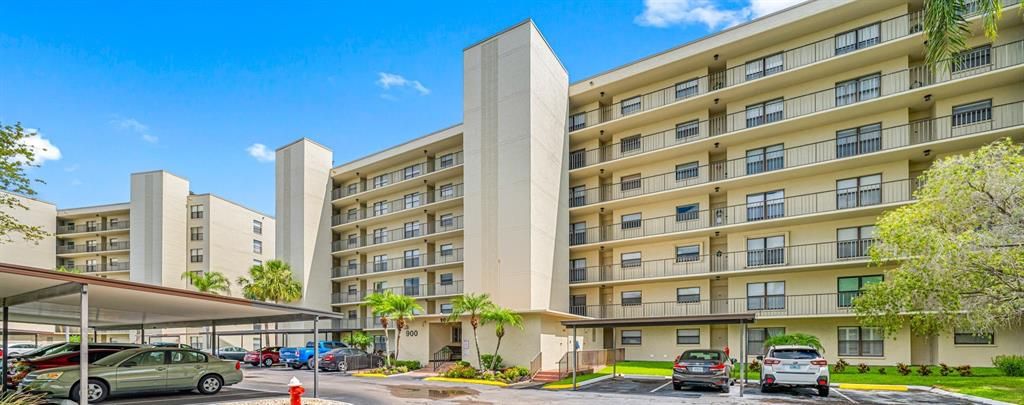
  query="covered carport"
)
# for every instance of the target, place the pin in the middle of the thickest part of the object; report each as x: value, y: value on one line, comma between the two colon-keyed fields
x: 719, y: 319
x: 47, y: 297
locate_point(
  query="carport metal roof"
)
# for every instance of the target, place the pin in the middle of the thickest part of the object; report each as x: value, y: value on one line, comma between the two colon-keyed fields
x: 662, y: 321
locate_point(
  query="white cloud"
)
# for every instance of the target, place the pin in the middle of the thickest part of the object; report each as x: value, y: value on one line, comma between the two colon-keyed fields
x: 44, y: 149
x: 137, y: 127
x: 666, y: 13
x: 391, y: 80
x: 150, y: 138
x: 260, y: 152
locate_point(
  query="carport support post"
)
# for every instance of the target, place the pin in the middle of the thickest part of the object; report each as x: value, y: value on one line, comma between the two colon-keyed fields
x: 574, y: 358
x: 4, y: 389
x: 83, y: 364
x: 316, y: 355
x: 213, y: 337
x: 743, y: 357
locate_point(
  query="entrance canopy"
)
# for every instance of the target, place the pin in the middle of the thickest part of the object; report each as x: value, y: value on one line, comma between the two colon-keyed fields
x: 661, y: 321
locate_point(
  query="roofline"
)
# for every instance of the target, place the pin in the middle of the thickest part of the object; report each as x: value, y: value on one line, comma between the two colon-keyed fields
x: 391, y: 148
x: 62, y: 211
x: 530, y: 21
x: 161, y: 171
x: 27, y: 197
x: 232, y: 202
x: 300, y: 140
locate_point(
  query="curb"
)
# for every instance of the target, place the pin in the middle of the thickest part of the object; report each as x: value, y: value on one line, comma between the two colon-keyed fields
x: 578, y: 384
x: 467, y: 381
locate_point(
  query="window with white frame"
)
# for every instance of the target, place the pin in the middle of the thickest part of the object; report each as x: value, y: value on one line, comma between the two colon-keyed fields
x: 631, y: 221
x: 765, y: 66
x: 687, y: 171
x: 631, y: 338
x: 861, y: 341
x: 629, y: 144
x: 859, y: 191
x: 196, y: 255
x: 687, y: 89
x: 764, y: 113
x: 687, y: 336
x: 688, y: 129
x: 859, y: 38
x: 412, y: 200
x: 961, y: 337
x: 859, y: 89
x: 632, y: 298
x: 631, y: 182
x: 978, y: 111
x: 257, y: 227
x: 766, y: 296
x: 381, y: 208
x: 687, y: 295
x: 687, y: 253
x: 630, y: 105
x: 257, y: 246
x: 631, y: 259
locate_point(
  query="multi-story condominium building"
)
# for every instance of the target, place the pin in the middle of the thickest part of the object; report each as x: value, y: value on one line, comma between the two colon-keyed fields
x: 654, y: 205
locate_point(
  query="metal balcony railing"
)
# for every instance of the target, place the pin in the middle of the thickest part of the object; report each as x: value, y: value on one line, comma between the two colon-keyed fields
x: 814, y: 203
x: 92, y: 248
x: 843, y: 146
x: 743, y: 260
x: 763, y: 306
x: 400, y: 263
x: 96, y: 227
x: 99, y: 268
x: 408, y: 232
x: 393, y: 207
x: 346, y: 323
x: 888, y: 30
x: 407, y: 173
x: 417, y: 291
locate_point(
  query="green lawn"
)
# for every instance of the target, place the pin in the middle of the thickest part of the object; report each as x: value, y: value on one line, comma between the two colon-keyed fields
x: 987, y: 382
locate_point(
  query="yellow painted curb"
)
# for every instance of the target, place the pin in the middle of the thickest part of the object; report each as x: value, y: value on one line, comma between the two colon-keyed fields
x: 558, y: 386
x: 873, y: 387
x: 467, y: 381
x: 374, y: 375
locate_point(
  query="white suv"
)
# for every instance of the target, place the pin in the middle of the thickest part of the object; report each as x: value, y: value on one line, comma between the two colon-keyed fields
x: 794, y: 366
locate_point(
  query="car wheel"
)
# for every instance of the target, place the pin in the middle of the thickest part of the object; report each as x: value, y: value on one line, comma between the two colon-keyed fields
x: 343, y: 366
x: 764, y: 388
x: 380, y: 363
x: 823, y: 391
x: 97, y: 391
x: 267, y: 362
x: 210, y: 384
x: 724, y: 388
x: 296, y: 366
x: 677, y: 387
x: 310, y: 363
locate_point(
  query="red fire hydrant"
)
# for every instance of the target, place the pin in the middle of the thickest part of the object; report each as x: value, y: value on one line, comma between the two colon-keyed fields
x: 295, y: 391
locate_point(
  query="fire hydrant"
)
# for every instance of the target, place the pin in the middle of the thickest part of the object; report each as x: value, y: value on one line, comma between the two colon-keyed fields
x: 295, y: 391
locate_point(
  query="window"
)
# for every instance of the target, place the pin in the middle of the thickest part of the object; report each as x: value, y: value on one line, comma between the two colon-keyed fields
x: 352, y: 189
x: 447, y: 250
x: 257, y: 246
x: 352, y: 264
x: 687, y: 171
x: 855, y: 241
x: 578, y: 305
x: 766, y: 205
x: 859, y: 38
x: 148, y: 359
x: 630, y: 221
x: 860, y: 89
x: 856, y: 141
x: 411, y: 258
x: 90, y: 226
x: 631, y: 182
x: 257, y: 262
x: 380, y: 235
x: 379, y: 287
x: 765, y: 66
x: 687, y: 295
x: 631, y: 298
x: 381, y: 208
x: 629, y: 144
x: 196, y: 211
x: 859, y: 191
x: 412, y: 229
x: 770, y: 295
x: 577, y: 270
x: 767, y: 251
x: 850, y: 287
x: 91, y: 246
x: 630, y: 105
x: 456, y: 330
x: 447, y: 191
x: 688, y: 253
x: 447, y: 160
x: 114, y: 222
x: 411, y: 286
x: 577, y: 121
x: 257, y: 227
x: 410, y: 172
x: 90, y: 265
x: 757, y: 336
x: 687, y: 336
x: 631, y: 259
x: 687, y: 129
x: 969, y: 338
x: 380, y: 181
x: 380, y: 263
x: 446, y: 308
x: 687, y: 89
x: 577, y: 159
x: 766, y: 159
x: 352, y: 314
x: 412, y: 200
x: 631, y: 337
x: 578, y: 233
x: 578, y: 196
x: 979, y: 111
x: 195, y: 233
x: 860, y: 341
x: 196, y: 255
x: 764, y: 113
x: 974, y: 58
x: 353, y: 240
x: 352, y: 214
x: 687, y: 212
x: 186, y: 357
x: 447, y: 220
x: 447, y: 279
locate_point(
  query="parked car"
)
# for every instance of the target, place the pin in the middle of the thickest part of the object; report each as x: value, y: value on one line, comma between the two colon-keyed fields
x: 344, y: 359
x: 19, y: 348
x: 266, y: 356
x: 136, y: 371
x: 303, y: 357
x: 73, y: 347
x: 794, y: 366
x: 232, y: 353
x: 171, y: 344
x: 23, y: 367
x: 709, y: 368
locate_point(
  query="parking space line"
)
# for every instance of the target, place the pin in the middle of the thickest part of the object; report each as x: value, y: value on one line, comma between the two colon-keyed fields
x: 835, y: 390
x: 661, y: 386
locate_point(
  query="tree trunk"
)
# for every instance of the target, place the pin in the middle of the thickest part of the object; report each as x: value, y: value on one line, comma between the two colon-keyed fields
x: 398, y: 340
x: 494, y: 358
x: 476, y: 342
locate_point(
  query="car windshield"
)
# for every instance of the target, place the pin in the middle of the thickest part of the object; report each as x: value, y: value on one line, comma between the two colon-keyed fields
x: 795, y: 354
x: 68, y: 347
x: 701, y: 355
x: 41, y: 350
x: 115, y: 358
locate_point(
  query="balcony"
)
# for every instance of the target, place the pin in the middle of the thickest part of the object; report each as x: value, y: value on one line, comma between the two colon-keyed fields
x: 113, y: 246
x: 350, y: 323
x: 100, y: 268
x: 771, y: 306
x: 96, y: 227
x: 842, y: 147
x: 867, y: 195
x: 817, y: 254
x: 440, y: 258
x: 417, y: 291
x: 398, y: 176
x: 397, y: 235
x: 405, y: 204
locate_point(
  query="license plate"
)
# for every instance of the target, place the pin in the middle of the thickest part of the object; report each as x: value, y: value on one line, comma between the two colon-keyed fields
x: 794, y: 366
x: 697, y: 369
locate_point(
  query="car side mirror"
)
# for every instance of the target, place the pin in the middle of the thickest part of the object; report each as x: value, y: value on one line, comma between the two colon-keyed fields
x: 760, y: 358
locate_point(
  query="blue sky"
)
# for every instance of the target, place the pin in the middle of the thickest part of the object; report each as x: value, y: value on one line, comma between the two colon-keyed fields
x: 196, y: 88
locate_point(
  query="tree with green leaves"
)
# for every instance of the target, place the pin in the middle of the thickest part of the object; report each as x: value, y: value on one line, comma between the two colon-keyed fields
x: 380, y: 302
x: 500, y: 317
x: 471, y: 305
x: 946, y: 28
x: 359, y: 339
x: 71, y: 270
x: 798, y: 339
x: 958, y: 251
x: 403, y: 309
x: 271, y: 281
x: 15, y: 156
x: 208, y: 282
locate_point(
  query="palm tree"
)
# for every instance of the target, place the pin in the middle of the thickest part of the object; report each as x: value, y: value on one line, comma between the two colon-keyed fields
x: 212, y: 282
x: 381, y: 304
x: 946, y: 28
x: 403, y: 309
x: 799, y: 339
x: 500, y: 317
x: 271, y: 281
x: 472, y: 305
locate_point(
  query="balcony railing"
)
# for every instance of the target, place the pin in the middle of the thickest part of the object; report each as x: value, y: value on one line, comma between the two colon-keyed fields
x: 743, y: 260
x: 394, y: 235
x: 97, y: 227
x: 93, y: 248
x: 392, y: 207
x: 347, y: 323
x: 99, y: 268
x: 841, y: 147
x: 417, y: 291
x: 888, y: 30
x: 826, y: 201
x: 401, y: 263
x: 763, y: 306
x: 407, y: 173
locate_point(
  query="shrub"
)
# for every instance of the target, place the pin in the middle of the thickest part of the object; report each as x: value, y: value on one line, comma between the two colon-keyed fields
x: 881, y: 370
x: 462, y: 363
x: 944, y: 370
x: 461, y: 371
x: 754, y: 366
x: 964, y: 370
x: 1011, y: 365
x: 488, y: 358
x: 923, y: 370
x: 840, y: 366
x: 801, y: 339
x: 903, y: 369
x: 409, y: 364
x: 516, y: 373
x: 863, y: 368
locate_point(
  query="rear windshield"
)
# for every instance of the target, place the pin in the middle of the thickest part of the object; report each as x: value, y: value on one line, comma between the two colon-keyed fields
x: 701, y: 355
x: 795, y: 354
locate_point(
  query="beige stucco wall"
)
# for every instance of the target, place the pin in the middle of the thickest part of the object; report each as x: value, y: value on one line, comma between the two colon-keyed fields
x: 159, y: 217
x: 31, y: 253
